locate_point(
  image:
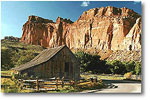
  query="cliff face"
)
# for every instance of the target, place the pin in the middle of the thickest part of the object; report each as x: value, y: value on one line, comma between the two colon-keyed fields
x: 99, y: 28
x: 44, y: 32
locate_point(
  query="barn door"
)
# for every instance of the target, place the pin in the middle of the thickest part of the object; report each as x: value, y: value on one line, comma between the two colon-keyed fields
x: 66, y: 69
x: 71, y: 70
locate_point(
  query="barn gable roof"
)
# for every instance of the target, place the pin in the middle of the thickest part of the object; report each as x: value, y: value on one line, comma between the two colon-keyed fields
x: 44, y: 56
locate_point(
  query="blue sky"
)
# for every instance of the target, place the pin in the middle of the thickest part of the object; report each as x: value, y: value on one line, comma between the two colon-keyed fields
x: 15, y: 13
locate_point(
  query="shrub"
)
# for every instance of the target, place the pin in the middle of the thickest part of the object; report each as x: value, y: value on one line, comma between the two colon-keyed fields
x: 128, y: 75
x: 11, y: 85
x: 6, y: 55
x: 90, y: 85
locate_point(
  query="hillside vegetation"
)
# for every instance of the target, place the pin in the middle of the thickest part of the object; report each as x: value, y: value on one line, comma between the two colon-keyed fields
x: 14, y: 53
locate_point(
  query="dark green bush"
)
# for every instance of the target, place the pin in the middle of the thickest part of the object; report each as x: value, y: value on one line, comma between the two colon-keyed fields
x: 117, y: 67
x: 91, y: 63
x: 6, y: 62
x: 130, y: 66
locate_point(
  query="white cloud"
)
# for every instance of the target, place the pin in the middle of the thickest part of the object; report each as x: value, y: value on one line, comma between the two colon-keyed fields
x: 135, y: 2
x: 85, y: 3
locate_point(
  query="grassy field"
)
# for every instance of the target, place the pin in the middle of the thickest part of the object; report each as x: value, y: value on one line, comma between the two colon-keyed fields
x: 9, y: 86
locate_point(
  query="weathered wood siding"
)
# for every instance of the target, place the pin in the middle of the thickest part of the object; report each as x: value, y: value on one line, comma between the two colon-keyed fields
x: 55, y: 67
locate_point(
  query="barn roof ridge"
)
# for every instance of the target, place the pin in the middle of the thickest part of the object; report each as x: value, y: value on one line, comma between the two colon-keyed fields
x: 44, y: 56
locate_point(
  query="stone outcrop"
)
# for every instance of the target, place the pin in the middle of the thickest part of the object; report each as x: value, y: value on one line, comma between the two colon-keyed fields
x: 132, y: 40
x: 106, y: 28
x: 124, y: 55
x: 44, y: 32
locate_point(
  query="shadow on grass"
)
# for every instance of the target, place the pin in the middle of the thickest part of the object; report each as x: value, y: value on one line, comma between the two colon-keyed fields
x: 120, y: 81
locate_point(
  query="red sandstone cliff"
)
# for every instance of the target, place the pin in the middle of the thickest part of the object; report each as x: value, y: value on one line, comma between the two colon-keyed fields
x: 99, y: 28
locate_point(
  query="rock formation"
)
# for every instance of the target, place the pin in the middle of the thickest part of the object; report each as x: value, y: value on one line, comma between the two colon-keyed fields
x: 105, y: 28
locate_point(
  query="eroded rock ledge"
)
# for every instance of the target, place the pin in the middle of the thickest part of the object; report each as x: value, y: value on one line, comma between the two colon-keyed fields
x: 105, y: 28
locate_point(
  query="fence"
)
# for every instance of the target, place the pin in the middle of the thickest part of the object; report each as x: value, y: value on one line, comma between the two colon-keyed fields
x: 52, y: 84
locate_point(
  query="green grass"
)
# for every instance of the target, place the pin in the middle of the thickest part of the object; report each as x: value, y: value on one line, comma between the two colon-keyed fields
x: 79, y: 88
x: 9, y: 86
x: 112, y: 77
x: 6, y: 73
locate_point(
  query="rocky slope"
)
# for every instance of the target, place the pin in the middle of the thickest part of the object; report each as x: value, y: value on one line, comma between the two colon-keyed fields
x: 105, y: 28
x: 124, y: 55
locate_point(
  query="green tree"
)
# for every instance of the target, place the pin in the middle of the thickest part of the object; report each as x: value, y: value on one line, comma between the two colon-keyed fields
x: 117, y: 67
x: 91, y: 63
x: 130, y: 66
x: 138, y: 68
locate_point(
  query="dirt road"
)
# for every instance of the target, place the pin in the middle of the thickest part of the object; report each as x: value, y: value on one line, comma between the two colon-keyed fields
x: 119, y: 87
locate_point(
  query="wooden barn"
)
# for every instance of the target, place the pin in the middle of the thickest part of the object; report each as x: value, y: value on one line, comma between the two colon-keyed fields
x: 53, y: 62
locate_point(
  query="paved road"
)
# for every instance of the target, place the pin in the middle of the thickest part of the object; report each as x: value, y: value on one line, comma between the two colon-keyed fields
x: 118, y: 87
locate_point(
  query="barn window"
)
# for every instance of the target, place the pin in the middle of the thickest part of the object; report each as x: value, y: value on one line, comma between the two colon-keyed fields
x: 66, y: 66
x: 130, y: 47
